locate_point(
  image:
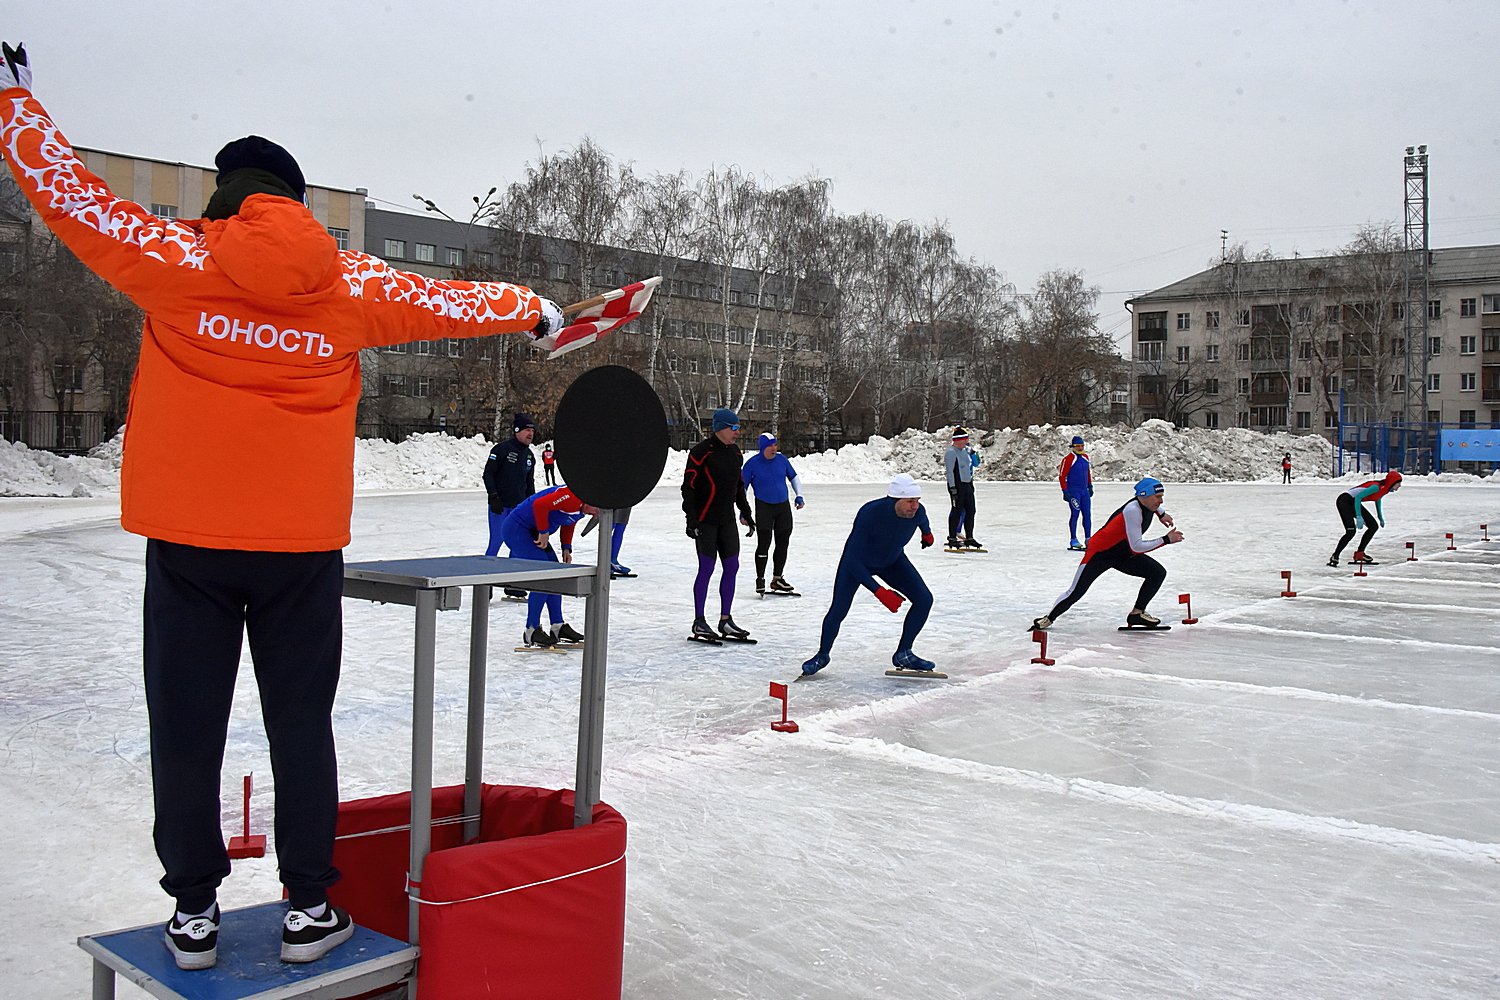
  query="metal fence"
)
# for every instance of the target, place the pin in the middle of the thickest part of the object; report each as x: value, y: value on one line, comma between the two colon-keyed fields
x: 1405, y: 447
x: 48, y: 430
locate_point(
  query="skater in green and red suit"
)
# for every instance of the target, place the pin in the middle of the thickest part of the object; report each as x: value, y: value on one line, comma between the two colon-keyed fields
x: 1351, y: 507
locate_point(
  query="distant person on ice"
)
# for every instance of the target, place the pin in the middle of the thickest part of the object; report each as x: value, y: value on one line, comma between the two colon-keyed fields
x: 711, y: 490
x: 238, y: 470
x: 958, y: 469
x: 767, y: 473
x: 1355, y: 515
x: 528, y: 532
x: 1286, y: 468
x: 509, y: 476
x: 874, y: 549
x: 1076, y: 477
x: 549, y: 462
x: 1122, y: 545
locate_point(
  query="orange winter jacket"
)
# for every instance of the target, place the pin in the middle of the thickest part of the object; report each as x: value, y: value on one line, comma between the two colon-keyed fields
x: 240, y: 432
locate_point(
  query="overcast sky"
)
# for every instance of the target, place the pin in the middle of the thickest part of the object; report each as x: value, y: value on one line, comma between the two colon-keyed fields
x: 1116, y: 138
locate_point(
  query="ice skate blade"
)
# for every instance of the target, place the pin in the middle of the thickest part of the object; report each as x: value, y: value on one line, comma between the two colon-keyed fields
x: 918, y: 674
x: 705, y: 640
x: 539, y: 649
x: 1144, y: 628
x: 946, y: 549
x: 742, y: 642
x: 779, y: 593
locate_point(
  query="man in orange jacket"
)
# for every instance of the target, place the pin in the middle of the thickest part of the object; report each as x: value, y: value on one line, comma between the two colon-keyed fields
x: 238, y: 470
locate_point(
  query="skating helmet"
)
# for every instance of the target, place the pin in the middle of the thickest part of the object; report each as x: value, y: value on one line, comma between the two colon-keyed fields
x: 1149, y: 487
x: 1393, y: 479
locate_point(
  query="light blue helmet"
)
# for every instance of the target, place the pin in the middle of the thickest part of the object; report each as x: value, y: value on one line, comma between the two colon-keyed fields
x: 1149, y: 487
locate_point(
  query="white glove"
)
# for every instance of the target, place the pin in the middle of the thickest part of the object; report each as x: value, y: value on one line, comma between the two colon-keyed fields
x: 15, y: 71
x: 551, y: 322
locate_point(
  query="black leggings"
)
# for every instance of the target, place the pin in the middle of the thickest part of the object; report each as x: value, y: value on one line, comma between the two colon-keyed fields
x: 1151, y: 572
x: 962, y: 514
x: 1346, y: 511
x: 772, y: 521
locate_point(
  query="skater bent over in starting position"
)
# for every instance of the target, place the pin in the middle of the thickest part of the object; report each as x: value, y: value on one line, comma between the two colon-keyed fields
x: 527, y: 532
x: 1351, y: 505
x: 711, y: 489
x: 767, y: 473
x: 881, y: 530
x: 1121, y: 544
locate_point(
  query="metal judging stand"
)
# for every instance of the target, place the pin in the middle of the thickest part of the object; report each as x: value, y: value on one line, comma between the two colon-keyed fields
x: 249, y: 939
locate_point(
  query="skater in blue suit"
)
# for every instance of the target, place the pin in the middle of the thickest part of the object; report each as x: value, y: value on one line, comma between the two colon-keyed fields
x: 1076, y: 478
x: 874, y: 549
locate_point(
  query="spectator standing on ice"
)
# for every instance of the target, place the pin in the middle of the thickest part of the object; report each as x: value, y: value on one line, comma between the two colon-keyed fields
x: 1286, y: 468
x: 874, y: 549
x: 1355, y: 515
x: 238, y: 470
x: 711, y: 490
x: 1121, y: 544
x: 509, y: 476
x: 958, y: 468
x: 1076, y: 477
x: 548, y: 462
x: 767, y: 474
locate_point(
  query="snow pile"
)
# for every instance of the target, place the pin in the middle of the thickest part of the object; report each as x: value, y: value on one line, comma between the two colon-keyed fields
x: 421, y: 462
x: 28, y: 473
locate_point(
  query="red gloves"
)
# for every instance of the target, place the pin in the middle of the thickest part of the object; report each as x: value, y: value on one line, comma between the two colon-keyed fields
x: 889, y: 598
x: 927, y: 539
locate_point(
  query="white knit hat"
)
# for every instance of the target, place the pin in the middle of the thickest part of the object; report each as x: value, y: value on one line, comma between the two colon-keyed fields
x: 904, y: 487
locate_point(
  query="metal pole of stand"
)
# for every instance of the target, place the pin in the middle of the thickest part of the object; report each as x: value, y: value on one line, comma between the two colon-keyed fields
x: 421, y: 747
x: 104, y: 981
x: 591, y: 693
x: 479, y: 632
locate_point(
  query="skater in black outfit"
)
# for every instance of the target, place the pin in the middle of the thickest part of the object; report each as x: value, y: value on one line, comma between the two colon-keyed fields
x: 1121, y: 544
x: 711, y: 490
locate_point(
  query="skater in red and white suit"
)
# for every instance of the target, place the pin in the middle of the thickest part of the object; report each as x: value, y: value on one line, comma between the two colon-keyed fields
x: 1122, y: 544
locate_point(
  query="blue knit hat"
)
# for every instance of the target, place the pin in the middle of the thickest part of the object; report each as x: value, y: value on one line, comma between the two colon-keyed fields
x: 725, y: 417
x: 766, y: 440
x: 1077, y: 439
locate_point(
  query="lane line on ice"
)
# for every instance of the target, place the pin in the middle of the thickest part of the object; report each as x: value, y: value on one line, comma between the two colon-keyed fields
x: 1439, y: 580
x: 1305, y: 694
x: 1269, y: 629
x: 1235, y: 813
x: 1461, y: 608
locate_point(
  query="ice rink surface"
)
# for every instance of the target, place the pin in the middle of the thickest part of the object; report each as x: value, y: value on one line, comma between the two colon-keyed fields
x: 1292, y: 798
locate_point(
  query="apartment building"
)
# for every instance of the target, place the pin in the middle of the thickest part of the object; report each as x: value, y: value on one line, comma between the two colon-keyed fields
x: 1297, y: 344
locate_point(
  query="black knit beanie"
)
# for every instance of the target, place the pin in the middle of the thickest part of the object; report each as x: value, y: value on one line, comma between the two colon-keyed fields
x: 262, y: 154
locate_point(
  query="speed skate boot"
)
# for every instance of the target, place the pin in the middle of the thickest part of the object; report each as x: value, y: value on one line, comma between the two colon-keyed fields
x: 971, y: 543
x: 537, y: 637
x: 760, y: 585
x: 953, y: 542
x: 812, y: 666
x: 778, y: 584
x: 905, y: 659
x: 1333, y: 561
x: 702, y: 631
x: 1360, y: 557
x: 729, y: 630
x: 1041, y: 624
x: 1142, y: 619
x: 567, y: 635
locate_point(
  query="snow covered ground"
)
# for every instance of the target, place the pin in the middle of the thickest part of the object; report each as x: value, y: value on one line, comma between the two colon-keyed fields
x: 1291, y: 798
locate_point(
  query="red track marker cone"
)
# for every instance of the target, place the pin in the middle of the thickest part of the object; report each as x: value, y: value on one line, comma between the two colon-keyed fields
x: 1451, y: 546
x: 1485, y: 528
x: 1287, y: 591
x: 785, y: 725
x: 1411, y: 551
x: 245, y: 845
x: 1188, y: 600
x: 1039, y: 636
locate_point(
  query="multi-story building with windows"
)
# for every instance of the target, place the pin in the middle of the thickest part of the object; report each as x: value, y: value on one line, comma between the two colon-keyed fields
x: 68, y: 343
x: 1297, y: 344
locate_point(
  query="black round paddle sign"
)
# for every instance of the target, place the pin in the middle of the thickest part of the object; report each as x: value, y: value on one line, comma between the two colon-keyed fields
x: 610, y: 434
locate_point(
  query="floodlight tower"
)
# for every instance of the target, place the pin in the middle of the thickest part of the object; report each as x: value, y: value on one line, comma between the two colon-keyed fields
x: 1414, y: 315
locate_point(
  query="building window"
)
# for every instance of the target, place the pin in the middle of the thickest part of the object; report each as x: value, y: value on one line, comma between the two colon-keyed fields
x: 1304, y: 385
x: 455, y: 348
x: 1489, y: 303
x: 487, y: 259
x: 1398, y: 383
x: 1466, y: 381
x: 1434, y: 382
x: 1149, y: 351
x: 426, y: 252
x: 455, y: 257
x: 1211, y: 352
x: 1242, y: 317
x: 1243, y: 387
x: 395, y: 248
x: 770, y: 300
x: 422, y: 386
x: 164, y: 211
x: 67, y: 377
x: 1243, y: 418
x: 1331, y: 314
x: 1210, y: 387
x: 394, y: 348
x: 1434, y: 416
x: 692, y: 366
x: 751, y: 403
x: 1184, y: 321
x: 1304, y: 350
x: 1466, y: 418
x: 1304, y: 315
x: 1304, y: 419
x: 422, y: 348
x: 1491, y: 342
x: 1466, y: 307
x: 1242, y: 351
x: 560, y: 272
x: 1466, y: 345
x: 1211, y: 419
x: 1435, y: 309
x: 340, y: 237
x: 1182, y: 387
x: 1398, y: 310
x: 1330, y: 419
x: 1211, y: 321
x: 1434, y: 346
x: 1183, y: 352
x: 1330, y: 383
x: 752, y: 299
x: 394, y: 385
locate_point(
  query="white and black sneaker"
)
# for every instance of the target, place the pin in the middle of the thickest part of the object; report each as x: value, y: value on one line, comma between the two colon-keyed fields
x: 305, y: 938
x: 194, y: 943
